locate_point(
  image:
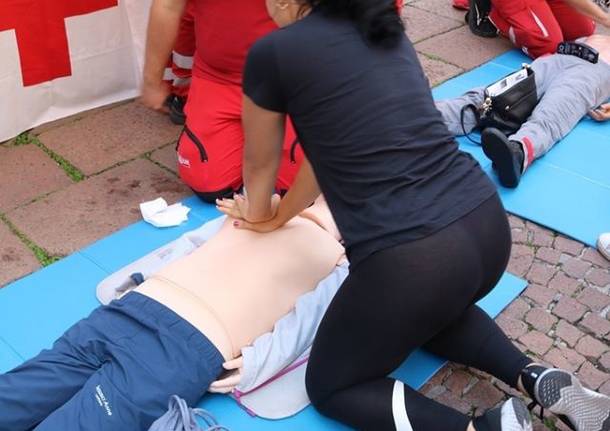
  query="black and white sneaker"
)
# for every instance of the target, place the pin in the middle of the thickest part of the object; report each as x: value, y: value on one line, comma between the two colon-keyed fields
x: 580, y: 408
x: 512, y: 415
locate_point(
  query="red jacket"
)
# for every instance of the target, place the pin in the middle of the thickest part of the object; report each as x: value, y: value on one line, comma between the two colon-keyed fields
x: 225, y: 31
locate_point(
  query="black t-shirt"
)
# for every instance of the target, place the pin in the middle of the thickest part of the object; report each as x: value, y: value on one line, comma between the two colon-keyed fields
x: 389, y: 168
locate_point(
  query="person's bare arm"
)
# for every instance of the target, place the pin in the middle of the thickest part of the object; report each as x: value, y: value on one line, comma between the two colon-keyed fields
x: 301, y: 194
x: 264, y: 135
x: 161, y: 35
x: 590, y: 9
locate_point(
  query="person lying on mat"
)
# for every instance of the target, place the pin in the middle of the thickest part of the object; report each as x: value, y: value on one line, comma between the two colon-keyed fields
x: 424, y: 228
x: 568, y: 88
x: 116, y: 369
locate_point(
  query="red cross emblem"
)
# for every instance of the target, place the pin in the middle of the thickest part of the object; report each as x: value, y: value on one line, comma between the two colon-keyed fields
x: 41, y: 34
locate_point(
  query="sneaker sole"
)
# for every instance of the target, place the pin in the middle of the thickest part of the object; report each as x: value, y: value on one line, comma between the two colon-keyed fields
x: 515, y: 416
x: 562, y: 394
x: 501, y: 156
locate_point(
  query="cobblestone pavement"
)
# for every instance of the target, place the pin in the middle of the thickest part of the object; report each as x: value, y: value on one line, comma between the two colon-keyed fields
x: 69, y: 183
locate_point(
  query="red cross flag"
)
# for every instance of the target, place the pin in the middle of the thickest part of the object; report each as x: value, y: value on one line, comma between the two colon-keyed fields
x: 60, y: 57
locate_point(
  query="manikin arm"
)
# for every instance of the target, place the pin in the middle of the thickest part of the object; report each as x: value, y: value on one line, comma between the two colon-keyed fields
x: 292, y: 334
x: 601, y: 113
x: 121, y: 281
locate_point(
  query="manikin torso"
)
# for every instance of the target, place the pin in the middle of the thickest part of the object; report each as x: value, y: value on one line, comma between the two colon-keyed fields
x: 238, y: 284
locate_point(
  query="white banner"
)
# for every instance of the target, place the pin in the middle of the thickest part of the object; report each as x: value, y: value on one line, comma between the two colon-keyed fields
x: 82, y: 55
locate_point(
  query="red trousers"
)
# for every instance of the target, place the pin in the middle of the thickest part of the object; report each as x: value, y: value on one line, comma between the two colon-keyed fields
x: 538, y: 26
x: 210, y: 150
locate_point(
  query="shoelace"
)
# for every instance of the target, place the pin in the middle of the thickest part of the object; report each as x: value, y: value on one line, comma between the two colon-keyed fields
x: 180, y: 417
x: 531, y: 406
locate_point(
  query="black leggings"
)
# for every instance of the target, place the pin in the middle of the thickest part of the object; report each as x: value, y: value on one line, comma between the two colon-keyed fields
x: 418, y: 294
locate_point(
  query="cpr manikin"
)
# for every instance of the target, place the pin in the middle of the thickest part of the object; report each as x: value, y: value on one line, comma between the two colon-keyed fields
x: 214, y: 290
x: 117, y: 369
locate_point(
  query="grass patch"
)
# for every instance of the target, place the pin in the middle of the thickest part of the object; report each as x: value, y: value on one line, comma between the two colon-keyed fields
x: 43, y: 256
x: 22, y: 139
x: 147, y: 156
x: 72, y: 171
x: 550, y: 424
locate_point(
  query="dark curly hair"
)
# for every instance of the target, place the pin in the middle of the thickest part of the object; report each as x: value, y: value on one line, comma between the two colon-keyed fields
x: 378, y: 20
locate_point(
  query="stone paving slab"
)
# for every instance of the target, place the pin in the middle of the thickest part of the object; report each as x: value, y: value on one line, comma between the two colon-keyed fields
x: 72, y: 118
x: 438, y: 71
x: 167, y: 157
x: 461, y: 48
x: 82, y: 213
x: 26, y: 172
x: 105, y: 138
x: 16, y: 260
x: 440, y: 7
x: 421, y: 24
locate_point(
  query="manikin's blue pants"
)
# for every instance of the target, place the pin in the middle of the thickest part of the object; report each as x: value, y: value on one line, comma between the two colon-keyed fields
x: 113, y: 371
x: 567, y: 88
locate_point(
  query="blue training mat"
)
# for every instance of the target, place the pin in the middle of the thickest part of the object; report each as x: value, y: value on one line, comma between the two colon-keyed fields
x: 37, y: 309
x: 568, y: 189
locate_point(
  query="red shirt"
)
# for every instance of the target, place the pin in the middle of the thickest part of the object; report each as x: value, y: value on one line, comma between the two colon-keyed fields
x: 224, y: 31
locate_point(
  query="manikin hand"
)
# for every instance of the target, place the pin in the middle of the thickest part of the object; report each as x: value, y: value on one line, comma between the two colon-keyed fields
x: 154, y: 95
x: 230, y: 379
x: 237, y: 208
x: 602, y: 113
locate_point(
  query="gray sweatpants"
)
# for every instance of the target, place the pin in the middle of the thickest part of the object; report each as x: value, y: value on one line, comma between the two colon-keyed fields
x: 567, y: 88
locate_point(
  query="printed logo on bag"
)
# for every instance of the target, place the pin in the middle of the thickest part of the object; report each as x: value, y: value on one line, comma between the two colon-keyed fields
x: 102, y: 401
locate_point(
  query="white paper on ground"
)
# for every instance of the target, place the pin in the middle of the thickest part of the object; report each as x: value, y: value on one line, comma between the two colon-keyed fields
x: 159, y: 214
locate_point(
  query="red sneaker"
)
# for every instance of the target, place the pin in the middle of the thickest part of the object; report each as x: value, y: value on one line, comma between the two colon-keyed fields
x: 461, y: 4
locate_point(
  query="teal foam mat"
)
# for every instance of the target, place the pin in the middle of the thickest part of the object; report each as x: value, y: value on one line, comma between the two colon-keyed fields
x: 9, y: 359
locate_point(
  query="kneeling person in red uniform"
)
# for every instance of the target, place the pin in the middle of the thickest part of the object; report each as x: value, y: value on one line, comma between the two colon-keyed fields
x: 538, y: 26
x: 210, y: 149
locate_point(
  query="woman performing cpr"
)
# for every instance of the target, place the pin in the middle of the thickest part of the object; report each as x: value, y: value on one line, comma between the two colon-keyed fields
x: 116, y: 369
x: 423, y: 227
